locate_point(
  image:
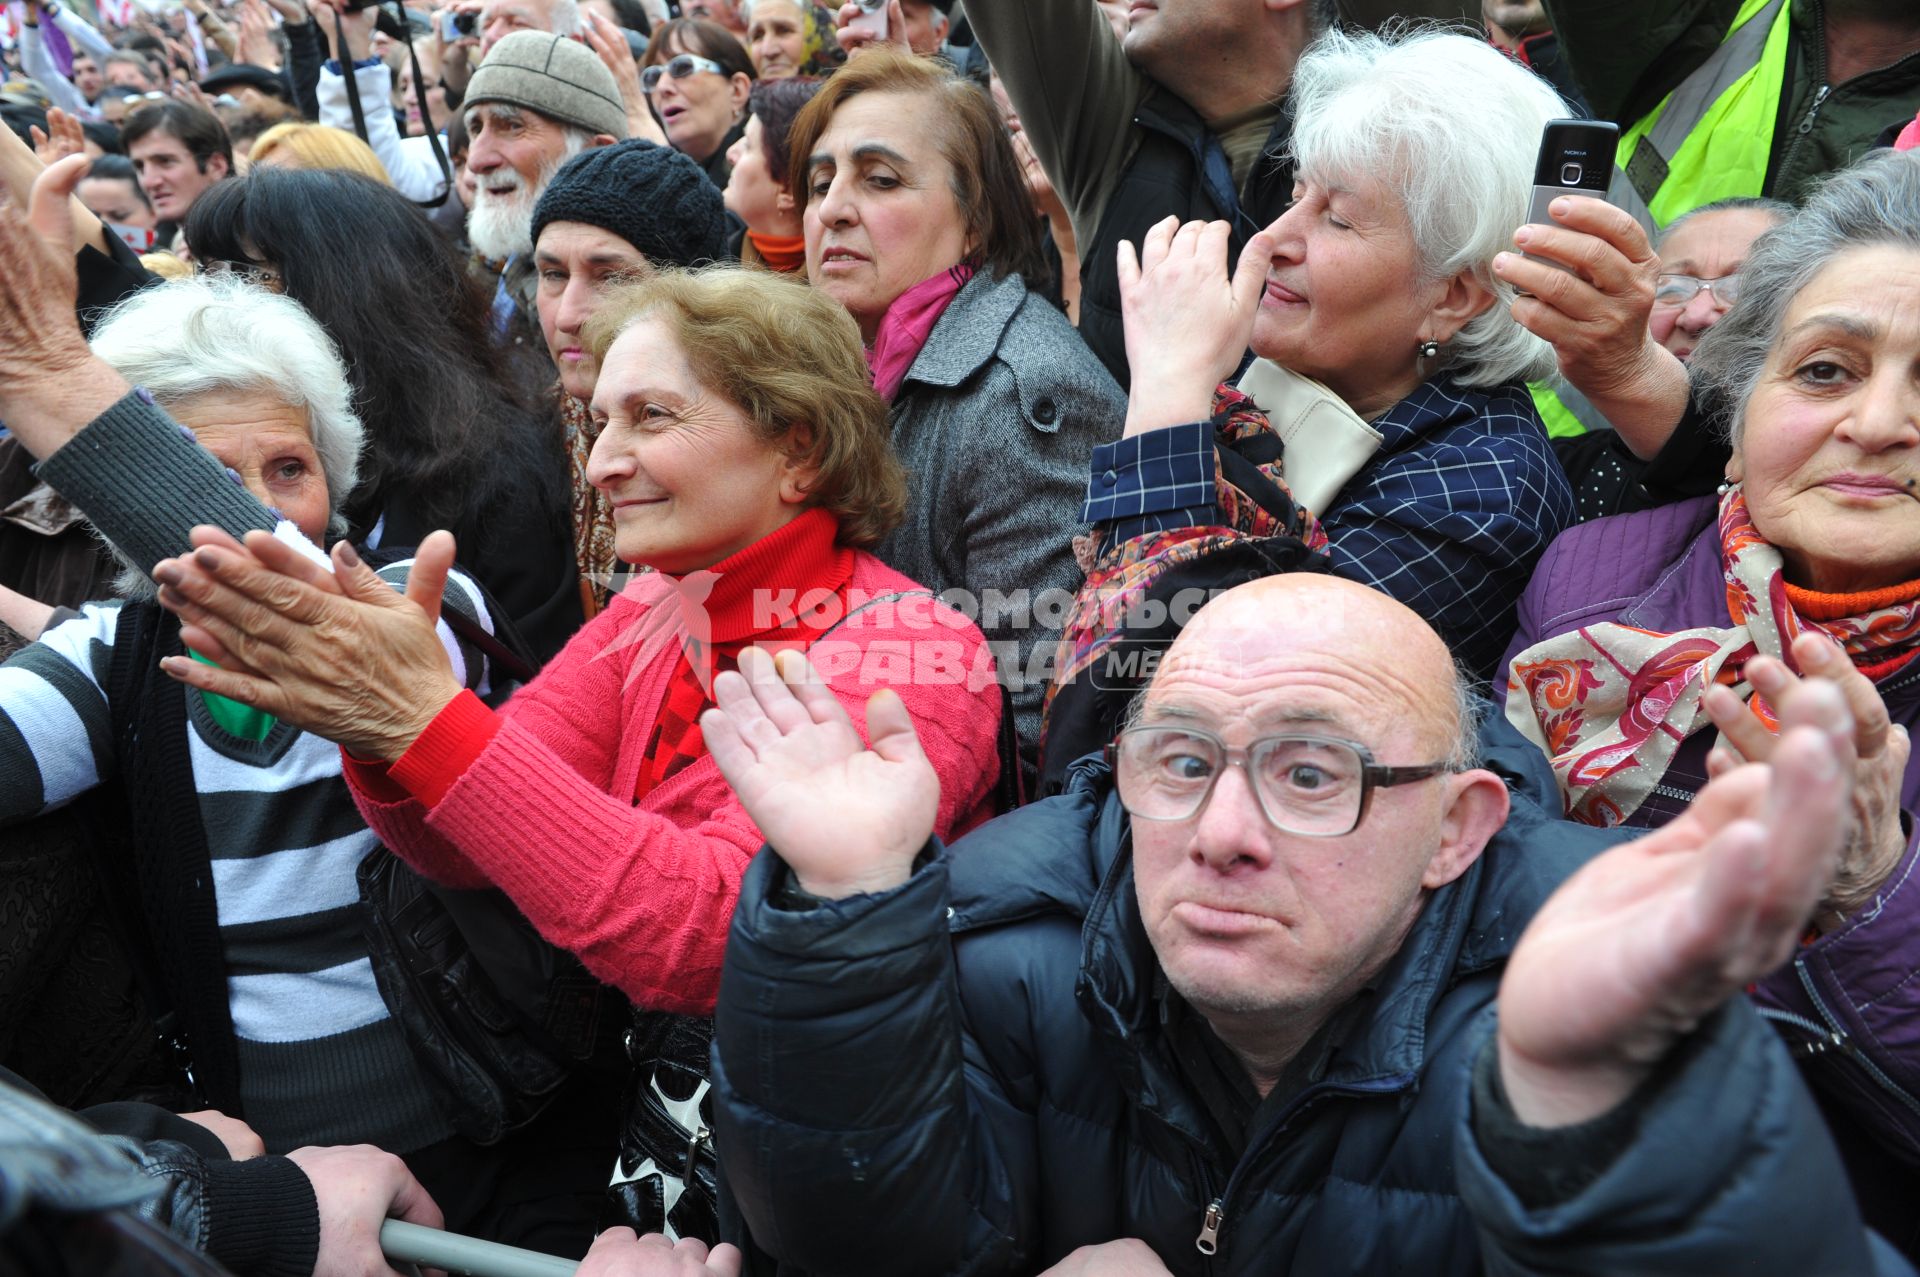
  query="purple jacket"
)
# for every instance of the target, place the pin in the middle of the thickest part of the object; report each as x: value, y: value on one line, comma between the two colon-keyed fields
x: 1851, y: 998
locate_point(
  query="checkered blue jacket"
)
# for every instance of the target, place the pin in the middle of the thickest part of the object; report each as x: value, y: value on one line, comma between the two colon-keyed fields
x: 1449, y: 517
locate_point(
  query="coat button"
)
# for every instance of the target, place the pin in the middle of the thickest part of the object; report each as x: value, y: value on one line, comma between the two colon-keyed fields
x: 1044, y: 412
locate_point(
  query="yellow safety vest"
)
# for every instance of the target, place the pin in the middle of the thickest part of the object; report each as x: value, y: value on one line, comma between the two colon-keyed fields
x: 1710, y: 138
x: 1707, y: 140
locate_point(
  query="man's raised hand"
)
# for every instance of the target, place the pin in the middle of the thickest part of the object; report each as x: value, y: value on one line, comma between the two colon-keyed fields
x: 1644, y: 942
x: 846, y: 818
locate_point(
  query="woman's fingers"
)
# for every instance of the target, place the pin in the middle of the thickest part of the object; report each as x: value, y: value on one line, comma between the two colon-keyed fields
x: 1604, y: 221
x: 1250, y: 272
x: 1128, y: 262
x: 275, y: 555
x: 1821, y: 657
x: 47, y: 205
x: 232, y: 684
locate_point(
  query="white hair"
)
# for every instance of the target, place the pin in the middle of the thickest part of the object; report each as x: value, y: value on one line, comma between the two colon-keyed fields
x: 205, y: 334
x: 500, y: 225
x: 1452, y: 127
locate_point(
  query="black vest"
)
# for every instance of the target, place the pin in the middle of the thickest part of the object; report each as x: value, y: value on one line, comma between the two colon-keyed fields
x: 1179, y: 171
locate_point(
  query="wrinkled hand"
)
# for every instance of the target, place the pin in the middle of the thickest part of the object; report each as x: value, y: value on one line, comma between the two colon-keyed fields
x: 856, y: 42
x: 1128, y: 1257
x: 846, y: 818
x: 1640, y: 945
x: 62, y: 137
x: 358, y: 1188
x: 50, y: 383
x: 1188, y: 323
x: 241, y: 1140
x: 618, y: 1253
x: 1594, y: 313
x: 192, y: 94
x: 1876, y: 839
x: 359, y: 663
x: 292, y: 12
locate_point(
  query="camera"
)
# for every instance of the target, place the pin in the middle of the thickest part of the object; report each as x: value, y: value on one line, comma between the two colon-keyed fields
x: 1570, y: 174
x: 871, y: 6
x: 455, y: 26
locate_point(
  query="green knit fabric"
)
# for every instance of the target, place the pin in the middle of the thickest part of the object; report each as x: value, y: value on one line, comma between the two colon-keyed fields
x: 235, y: 719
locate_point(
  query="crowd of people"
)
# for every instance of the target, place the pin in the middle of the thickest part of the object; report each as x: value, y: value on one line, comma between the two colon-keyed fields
x: 989, y: 636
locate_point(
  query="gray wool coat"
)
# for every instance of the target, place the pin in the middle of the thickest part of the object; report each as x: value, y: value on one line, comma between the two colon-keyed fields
x: 996, y: 424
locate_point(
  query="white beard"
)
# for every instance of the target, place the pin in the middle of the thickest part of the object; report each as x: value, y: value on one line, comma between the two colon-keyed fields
x: 501, y: 225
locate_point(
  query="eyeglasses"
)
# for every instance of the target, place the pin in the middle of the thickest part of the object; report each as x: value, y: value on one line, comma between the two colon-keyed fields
x: 1313, y: 786
x: 679, y: 67
x: 1678, y: 290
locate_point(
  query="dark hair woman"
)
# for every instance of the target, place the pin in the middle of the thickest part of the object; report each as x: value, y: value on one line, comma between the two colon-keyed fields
x: 918, y: 220
x: 757, y: 191
x: 697, y: 77
x: 449, y: 443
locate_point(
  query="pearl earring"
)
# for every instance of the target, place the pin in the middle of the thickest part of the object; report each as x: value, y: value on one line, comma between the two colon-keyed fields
x: 1429, y: 349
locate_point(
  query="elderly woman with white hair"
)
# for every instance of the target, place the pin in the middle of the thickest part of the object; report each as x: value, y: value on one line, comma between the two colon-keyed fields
x: 230, y: 841
x: 1389, y: 364
x: 1657, y: 648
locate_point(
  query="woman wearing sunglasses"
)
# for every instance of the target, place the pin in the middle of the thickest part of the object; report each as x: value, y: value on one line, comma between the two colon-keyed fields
x: 697, y: 78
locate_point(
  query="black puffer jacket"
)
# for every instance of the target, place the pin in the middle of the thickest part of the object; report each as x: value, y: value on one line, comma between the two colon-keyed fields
x: 892, y: 1101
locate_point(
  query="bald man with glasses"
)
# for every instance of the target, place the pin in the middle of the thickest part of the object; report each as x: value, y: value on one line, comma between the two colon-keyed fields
x: 1259, y: 993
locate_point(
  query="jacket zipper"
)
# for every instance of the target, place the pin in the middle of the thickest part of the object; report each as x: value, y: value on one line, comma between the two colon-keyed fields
x: 1838, y: 1039
x: 1209, y: 1239
x: 1813, y: 112
x: 1215, y: 1218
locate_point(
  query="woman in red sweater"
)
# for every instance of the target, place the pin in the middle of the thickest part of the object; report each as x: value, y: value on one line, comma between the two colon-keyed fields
x: 747, y: 460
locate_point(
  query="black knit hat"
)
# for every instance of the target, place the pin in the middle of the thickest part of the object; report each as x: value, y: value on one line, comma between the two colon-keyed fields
x: 653, y: 197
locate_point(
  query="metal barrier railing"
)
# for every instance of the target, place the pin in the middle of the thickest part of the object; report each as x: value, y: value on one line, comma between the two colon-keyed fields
x: 406, y: 1243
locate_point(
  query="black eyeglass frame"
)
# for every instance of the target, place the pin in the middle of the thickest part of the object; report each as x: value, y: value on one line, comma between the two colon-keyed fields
x: 1373, y: 775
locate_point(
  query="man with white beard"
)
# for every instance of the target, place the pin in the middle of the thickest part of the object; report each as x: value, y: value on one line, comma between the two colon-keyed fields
x: 535, y: 103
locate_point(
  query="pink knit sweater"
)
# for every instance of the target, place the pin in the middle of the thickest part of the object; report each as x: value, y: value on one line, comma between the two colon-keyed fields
x: 644, y: 892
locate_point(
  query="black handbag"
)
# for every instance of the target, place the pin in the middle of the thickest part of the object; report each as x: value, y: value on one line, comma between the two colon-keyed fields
x: 667, y: 1179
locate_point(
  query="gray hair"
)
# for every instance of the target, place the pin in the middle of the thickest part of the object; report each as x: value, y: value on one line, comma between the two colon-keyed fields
x: 1875, y: 202
x: 1452, y: 126
x: 1779, y: 210
x: 567, y: 19
x: 205, y: 334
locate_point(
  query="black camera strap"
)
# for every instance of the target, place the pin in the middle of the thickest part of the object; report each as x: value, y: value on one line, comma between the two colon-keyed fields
x: 420, y: 94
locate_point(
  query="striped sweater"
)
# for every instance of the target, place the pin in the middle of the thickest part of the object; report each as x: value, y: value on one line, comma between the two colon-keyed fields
x: 321, y: 1060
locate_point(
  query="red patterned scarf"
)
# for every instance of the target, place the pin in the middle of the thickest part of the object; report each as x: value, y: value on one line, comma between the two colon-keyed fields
x: 1610, y: 704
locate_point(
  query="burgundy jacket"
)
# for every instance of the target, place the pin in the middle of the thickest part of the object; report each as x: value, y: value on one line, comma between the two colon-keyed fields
x: 1852, y: 997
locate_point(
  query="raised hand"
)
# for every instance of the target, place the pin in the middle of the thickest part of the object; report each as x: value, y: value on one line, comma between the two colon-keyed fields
x: 1594, y: 314
x: 1187, y: 321
x: 610, y: 46
x: 62, y: 137
x: 846, y: 818
x: 363, y: 666
x: 856, y: 41
x: 1876, y: 839
x: 1634, y: 950
x: 619, y: 1253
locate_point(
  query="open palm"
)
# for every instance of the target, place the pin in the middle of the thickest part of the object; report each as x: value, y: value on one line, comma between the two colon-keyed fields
x: 1648, y: 939
x: 845, y: 817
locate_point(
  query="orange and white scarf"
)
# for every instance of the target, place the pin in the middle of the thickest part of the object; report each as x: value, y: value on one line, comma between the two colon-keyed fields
x: 1610, y: 704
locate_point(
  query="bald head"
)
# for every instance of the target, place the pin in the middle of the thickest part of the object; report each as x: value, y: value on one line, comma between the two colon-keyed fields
x: 1329, y: 639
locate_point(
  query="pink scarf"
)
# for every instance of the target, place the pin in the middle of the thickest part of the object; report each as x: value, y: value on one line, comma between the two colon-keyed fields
x: 1909, y: 136
x: 908, y: 323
